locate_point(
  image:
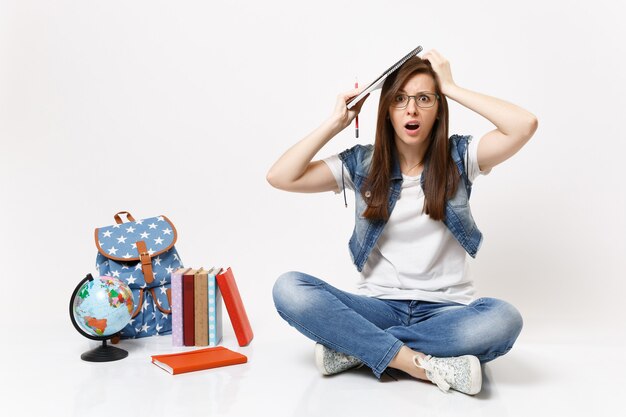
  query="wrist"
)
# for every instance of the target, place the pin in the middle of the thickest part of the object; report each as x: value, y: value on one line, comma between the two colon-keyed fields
x: 448, y: 89
x: 334, y: 125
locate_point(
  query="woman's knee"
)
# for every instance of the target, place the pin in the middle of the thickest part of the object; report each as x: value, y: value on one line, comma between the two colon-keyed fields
x: 501, y: 322
x: 283, y: 285
x: 288, y: 289
x: 510, y: 318
x: 505, y: 319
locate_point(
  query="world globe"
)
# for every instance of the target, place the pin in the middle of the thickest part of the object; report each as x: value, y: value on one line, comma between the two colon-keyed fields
x: 99, y: 309
x: 103, y: 306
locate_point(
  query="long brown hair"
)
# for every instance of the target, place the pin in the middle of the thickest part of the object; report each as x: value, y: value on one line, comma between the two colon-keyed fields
x: 441, y: 174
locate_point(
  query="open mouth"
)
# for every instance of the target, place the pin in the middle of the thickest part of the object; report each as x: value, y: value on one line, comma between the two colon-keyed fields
x: 412, y: 126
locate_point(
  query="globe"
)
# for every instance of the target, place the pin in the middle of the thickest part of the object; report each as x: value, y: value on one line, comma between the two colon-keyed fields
x: 102, y: 306
x: 99, y: 309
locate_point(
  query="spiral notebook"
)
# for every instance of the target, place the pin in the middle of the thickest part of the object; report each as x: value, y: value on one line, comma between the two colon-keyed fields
x: 378, y: 82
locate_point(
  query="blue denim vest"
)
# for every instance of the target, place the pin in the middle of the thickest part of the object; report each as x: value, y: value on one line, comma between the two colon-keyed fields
x: 458, y: 218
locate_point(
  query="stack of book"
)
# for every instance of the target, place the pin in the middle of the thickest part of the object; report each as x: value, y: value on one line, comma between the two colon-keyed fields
x: 197, y: 307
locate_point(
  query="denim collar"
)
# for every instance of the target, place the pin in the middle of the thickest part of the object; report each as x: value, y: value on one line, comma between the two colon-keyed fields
x: 396, y: 173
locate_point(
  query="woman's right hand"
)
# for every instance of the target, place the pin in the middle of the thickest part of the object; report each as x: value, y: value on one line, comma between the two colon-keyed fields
x: 341, y: 115
x: 294, y: 170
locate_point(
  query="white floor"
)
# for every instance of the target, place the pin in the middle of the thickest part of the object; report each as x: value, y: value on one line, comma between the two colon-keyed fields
x: 280, y: 379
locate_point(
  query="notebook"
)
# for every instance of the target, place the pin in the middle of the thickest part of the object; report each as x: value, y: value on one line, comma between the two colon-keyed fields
x: 378, y: 82
x: 196, y: 360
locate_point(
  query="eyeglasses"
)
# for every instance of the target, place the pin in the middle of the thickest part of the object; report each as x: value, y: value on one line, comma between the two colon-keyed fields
x: 423, y: 100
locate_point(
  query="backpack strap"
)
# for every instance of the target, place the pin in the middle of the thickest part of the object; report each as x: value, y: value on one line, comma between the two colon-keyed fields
x: 168, y: 292
x: 139, y: 304
x: 118, y: 219
x: 146, y: 262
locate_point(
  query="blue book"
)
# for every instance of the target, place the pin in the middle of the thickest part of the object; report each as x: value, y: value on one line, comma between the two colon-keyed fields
x: 215, y: 309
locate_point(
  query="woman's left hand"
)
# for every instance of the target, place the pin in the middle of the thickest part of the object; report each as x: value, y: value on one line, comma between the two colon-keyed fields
x: 441, y: 66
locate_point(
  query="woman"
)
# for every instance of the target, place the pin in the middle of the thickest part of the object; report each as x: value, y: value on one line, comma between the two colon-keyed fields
x: 415, y: 308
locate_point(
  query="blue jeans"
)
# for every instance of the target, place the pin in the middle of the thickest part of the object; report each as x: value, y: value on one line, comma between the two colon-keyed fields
x: 374, y: 329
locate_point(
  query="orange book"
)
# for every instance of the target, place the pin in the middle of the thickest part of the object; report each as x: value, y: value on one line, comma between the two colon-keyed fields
x: 234, y: 305
x: 197, y: 360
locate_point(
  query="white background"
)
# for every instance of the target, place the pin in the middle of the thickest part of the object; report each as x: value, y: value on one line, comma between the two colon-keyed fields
x: 180, y: 108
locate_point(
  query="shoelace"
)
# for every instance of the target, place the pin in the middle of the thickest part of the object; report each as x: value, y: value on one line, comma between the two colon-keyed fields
x: 435, y: 377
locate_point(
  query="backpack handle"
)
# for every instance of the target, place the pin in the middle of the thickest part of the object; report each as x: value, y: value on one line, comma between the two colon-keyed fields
x: 118, y: 219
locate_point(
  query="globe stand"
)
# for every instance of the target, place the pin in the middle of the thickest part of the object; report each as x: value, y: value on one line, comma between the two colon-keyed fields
x: 103, y: 353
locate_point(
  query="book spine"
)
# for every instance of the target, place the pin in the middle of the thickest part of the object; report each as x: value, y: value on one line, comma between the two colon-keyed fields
x: 201, y: 309
x: 177, y: 309
x: 234, y: 306
x: 188, y: 310
x: 215, y: 312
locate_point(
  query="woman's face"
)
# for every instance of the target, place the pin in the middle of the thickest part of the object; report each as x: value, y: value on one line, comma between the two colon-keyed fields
x: 412, y: 124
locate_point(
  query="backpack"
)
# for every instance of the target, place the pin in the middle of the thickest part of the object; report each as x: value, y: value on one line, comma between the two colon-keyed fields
x: 141, y: 253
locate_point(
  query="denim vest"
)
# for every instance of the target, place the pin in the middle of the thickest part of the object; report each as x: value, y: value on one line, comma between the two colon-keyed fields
x: 458, y: 217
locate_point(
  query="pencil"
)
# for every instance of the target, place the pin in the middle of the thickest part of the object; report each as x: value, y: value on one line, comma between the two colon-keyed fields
x: 356, y: 119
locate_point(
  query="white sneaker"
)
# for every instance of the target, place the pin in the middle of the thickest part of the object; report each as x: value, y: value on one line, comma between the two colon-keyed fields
x: 462, y: 373
x: 331, y: 362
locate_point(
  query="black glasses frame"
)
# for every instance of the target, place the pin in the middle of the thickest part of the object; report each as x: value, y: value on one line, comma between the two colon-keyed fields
x: 393, y: 104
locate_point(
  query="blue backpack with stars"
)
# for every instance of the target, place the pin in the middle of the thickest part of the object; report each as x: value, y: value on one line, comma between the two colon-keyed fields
x: 141, y: 253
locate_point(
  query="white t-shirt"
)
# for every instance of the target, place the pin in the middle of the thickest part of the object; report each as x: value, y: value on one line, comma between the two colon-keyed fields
x: 415, y: 258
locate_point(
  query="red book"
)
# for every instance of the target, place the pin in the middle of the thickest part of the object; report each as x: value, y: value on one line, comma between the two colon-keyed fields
x: 196, y: 360
x: 189, y: 308
x: 234, y: 306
